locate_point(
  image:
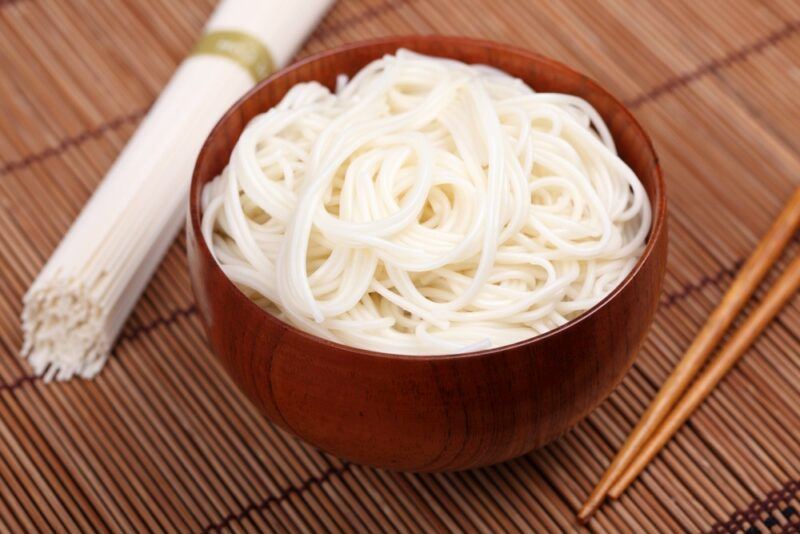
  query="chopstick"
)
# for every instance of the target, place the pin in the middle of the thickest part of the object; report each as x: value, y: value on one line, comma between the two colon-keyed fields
x: 786, y: 286
x: 747, y: 280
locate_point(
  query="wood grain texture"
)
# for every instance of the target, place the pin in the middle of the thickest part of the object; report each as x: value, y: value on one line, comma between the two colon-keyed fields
x: 429, y: 413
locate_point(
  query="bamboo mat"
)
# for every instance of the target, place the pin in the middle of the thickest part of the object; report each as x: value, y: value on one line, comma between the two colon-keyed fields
x: 162, y: 441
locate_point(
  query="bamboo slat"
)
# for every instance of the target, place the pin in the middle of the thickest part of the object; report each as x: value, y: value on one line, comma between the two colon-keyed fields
x: 162, y: 441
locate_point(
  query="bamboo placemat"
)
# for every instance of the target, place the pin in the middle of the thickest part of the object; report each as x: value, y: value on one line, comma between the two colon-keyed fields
x: 161, y: 440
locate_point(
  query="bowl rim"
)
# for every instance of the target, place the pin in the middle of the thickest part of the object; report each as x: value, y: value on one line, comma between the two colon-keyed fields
x: 658, y: 202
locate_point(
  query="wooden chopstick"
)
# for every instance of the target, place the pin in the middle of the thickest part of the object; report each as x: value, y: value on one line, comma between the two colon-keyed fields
x: 750, y: 275
x: 786, y: 286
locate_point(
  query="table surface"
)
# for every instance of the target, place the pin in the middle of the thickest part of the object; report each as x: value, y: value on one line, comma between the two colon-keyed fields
x: 161, y: 440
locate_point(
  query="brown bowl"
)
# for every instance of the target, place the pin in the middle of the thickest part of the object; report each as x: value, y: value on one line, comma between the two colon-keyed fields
x: 439, y: 412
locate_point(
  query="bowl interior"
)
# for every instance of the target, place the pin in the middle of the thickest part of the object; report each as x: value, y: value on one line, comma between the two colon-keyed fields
x: 541, y: 73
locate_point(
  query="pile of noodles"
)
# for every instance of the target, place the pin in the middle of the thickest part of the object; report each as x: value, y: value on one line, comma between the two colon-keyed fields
x: 426, y: 207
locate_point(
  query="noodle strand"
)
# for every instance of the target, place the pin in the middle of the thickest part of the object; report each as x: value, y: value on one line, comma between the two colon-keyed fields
x: 426, y: 207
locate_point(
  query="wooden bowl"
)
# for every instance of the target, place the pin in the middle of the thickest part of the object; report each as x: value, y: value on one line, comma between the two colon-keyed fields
x: 439, y: 412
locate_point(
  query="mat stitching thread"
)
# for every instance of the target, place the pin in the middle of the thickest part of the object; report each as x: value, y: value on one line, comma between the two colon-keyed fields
x: 274, y: 499
x: 132, y: 334
x: 73, y: 141
x: 667, y: 87
x: 715, y: 65
x: 686, y: 289
x: 670, y: 299
x: 138, y: 331
x: 770, y: 503
x: 11, y: 386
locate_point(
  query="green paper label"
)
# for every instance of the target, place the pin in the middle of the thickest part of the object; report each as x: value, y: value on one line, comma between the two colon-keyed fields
x: 240, y: 47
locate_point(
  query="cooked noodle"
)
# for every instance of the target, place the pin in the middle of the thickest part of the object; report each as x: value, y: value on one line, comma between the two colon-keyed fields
x: 426, y: 207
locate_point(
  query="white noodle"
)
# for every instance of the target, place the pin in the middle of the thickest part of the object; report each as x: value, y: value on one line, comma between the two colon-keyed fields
x: 427, y: 207
x: 78, y: 304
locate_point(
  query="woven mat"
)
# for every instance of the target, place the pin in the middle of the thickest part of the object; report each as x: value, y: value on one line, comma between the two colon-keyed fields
x: 163, y: 441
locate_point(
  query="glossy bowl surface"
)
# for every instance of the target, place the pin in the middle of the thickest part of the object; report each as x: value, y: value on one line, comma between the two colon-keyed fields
x: 440, y: 412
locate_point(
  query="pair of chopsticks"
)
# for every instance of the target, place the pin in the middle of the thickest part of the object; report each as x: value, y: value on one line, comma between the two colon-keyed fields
x: 670, y: 408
